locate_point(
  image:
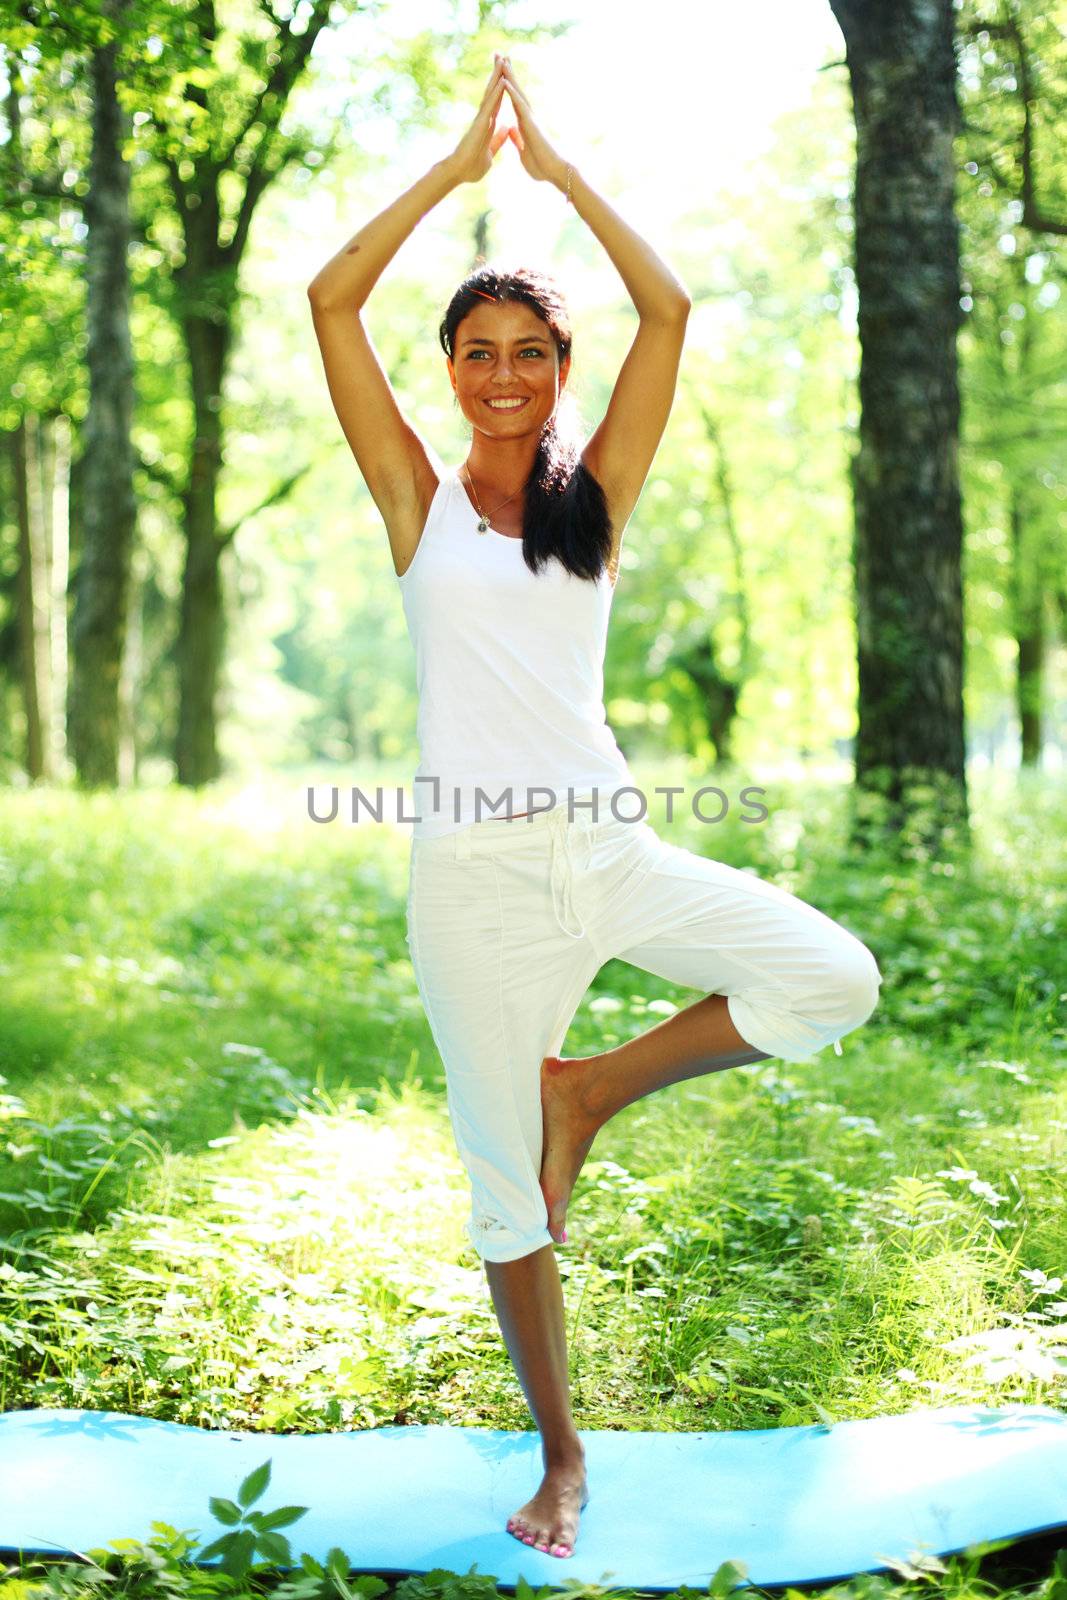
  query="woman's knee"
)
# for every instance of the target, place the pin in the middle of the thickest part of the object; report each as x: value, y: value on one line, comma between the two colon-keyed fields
x: 857, y: 981
x: 795, y: 1024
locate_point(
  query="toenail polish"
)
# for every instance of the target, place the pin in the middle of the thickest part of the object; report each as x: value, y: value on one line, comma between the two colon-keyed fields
x: 564, y: 1236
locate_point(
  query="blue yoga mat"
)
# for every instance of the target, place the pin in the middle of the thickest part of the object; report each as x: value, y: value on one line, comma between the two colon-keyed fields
x: 795, y: 1505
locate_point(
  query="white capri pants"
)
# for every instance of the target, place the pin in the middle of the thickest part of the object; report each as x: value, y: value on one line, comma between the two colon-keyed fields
x: 509, y: 921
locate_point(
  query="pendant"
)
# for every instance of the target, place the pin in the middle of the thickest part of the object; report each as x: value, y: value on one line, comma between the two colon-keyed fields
x: 483, y: 526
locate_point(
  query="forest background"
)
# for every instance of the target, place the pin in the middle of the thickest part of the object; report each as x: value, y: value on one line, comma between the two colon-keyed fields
x: 733, y: 631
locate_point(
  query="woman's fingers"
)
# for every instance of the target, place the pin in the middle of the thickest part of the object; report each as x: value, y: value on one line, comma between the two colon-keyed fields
x: 509, y: 79
x: 491, y: 105
x: 494, y: 78
x: 518, y: 99
x: 520, y: 110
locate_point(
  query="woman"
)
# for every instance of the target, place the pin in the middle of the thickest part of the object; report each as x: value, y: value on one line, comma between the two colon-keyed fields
x: 507, y: 568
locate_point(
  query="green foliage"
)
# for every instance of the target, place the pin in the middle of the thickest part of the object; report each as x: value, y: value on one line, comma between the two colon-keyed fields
x: 136, y: 1124
x: 189, y: 996
x: 172, y: 1563
x: 164, y: 1567
x: 737, y: 566
x: 1013, y: 339
x: 255, y: 1532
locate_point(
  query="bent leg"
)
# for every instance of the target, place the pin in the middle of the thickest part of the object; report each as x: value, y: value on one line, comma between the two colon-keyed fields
x: 793, y: 979
x: 697, y: 1040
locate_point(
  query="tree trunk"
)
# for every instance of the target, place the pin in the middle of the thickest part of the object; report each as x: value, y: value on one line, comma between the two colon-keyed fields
x: 132, y: 675
x: 208, y: 299
x: 31, y: 590
x: 719, y: 694
x: 1030, y: 552
x: 59, y: 574
x: 202, y: 628
x: 1028, y: 622
x: 910, y: 744
x: 722, y: 690
x: 108, y: 505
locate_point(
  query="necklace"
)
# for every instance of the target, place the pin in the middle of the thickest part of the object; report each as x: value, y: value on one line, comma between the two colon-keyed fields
x: 483, y: 524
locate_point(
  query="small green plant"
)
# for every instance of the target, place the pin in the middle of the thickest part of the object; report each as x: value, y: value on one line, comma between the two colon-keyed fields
x: 167, y: 1566
x: 252, y: 1531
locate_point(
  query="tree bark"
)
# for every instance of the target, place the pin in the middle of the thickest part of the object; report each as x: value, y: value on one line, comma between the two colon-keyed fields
x: 719, y: 694
x: 202, y: 628
x: 1028, y: 622
x: 31, y: 599
x: 208, y: 297
x: 59, y: 577
x: 910, y: 745
x: 108, y: 506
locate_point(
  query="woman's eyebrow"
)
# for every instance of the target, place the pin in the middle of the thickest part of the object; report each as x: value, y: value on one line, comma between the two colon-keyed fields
x: 525, y: 338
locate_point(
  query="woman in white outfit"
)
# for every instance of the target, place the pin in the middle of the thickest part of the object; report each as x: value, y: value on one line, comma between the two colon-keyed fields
x: 525, y: 876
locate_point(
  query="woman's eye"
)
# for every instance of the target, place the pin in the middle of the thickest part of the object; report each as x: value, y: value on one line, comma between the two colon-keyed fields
x: 531, y: 350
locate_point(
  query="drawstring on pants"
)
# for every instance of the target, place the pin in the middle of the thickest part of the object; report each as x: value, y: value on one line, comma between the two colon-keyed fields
x: 563, y: 837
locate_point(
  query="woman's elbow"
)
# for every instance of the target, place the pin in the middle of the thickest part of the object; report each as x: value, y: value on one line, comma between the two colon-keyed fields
x: 675, y: 308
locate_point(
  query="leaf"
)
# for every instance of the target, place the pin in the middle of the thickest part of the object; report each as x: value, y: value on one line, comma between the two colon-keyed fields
x: 337, y: 1562
x: 238, y: 1558
x: 728, y: 1575
x: 219, y: 1548
x: 369, y: 1588
x: 265, y: 1520
x: 825, y: 1419
x: 254, y: 1484
x: 275, y: 1547
x: 765, y: 1394
x: 225, y: 1511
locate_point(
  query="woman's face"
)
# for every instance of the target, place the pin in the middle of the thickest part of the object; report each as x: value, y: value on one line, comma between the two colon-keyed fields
x: 505, y: 351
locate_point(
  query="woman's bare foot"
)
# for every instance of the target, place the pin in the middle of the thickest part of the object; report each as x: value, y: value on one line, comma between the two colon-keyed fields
x: 549, y: 1521
x: 569, y: 1131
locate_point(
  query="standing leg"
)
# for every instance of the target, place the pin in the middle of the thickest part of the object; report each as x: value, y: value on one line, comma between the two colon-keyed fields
x: 528, y: 1298
x: 500, y: 984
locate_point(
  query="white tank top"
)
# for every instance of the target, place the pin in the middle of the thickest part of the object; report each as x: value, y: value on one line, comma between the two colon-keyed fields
x: 510, y: 675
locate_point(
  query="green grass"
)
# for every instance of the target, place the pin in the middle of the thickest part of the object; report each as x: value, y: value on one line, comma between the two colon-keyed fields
x: 229, y: 1195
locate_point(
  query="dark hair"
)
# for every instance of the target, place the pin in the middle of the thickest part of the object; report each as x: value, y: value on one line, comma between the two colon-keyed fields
x: 565, y: 513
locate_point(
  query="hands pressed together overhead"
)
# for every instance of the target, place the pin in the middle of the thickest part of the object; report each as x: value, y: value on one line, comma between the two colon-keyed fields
x: 475, y: 152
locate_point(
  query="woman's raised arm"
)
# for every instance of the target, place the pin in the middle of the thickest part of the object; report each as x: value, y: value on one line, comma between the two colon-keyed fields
x: 394, y: 461
x: 622, y: 448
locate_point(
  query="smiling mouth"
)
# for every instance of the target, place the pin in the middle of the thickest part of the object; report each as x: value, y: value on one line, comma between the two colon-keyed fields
x: 515, y: 404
